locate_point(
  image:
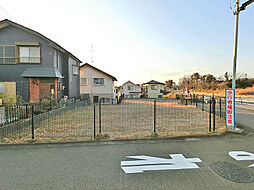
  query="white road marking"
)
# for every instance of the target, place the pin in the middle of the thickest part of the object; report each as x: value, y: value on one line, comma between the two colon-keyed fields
x: 242, y: 156
x: 148, y: 163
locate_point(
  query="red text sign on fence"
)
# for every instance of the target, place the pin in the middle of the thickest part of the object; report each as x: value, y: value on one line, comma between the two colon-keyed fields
x: 230, y: 108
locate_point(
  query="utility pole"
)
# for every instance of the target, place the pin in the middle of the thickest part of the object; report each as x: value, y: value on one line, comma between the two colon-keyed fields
x: 237, y: 11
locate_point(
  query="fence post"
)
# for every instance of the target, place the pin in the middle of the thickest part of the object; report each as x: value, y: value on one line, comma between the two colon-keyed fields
x: 32, y: 121
x: 210, y: 115
x: 220, y: 107
x: 94, y: 121
x: 214, y: 102
x: 154, y: 117
x: 12, y: 115
x: 50, y: 105
x: 26, y: 111
x: 99, y: 116
x: 7, y: 114
x: 15, y: 113
x: 186, y: 103
x: 191, y: 99
x: 203, y: 101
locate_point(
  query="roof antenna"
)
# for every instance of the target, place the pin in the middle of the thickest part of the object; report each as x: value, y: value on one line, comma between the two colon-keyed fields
x: 92, y: 53
x: 6, y: 12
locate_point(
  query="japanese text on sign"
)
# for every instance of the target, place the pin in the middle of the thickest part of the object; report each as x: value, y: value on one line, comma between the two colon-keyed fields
x: 230, y: 108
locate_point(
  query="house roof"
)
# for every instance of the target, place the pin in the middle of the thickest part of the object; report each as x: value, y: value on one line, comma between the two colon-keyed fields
x: 41, y: 72
x: 88, y: 65
x: 154, y: 82
x: 4, y: 23
x: 129, y: 82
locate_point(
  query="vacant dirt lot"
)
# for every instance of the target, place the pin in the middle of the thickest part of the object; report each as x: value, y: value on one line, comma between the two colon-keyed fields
x: 129, y: 120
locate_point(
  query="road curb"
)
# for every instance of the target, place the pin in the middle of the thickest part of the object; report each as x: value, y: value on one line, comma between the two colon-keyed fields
x: 106, y: 141
x: 237, y: 130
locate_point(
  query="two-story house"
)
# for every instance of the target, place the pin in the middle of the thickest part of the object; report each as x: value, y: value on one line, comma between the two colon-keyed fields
x: 131, y: 90
x: 153, y: 89
x: 97, y: 85
x: 39, y: 67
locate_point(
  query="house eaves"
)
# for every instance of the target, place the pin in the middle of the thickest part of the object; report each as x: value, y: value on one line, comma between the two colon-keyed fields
x: 88, y: 65
x: 41, y: 72
x: 154, y: 82
x: 129, y: 82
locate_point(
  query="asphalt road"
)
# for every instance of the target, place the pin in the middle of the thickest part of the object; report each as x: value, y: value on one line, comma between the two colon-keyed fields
x: 245, y: 115
x: 97, y: 165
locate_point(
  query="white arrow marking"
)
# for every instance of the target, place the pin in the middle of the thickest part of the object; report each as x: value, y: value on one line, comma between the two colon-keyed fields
x: 148, y: 163
x: 242, y: 156
x: 251, y: 166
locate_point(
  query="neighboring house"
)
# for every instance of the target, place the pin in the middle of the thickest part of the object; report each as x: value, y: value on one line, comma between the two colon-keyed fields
x: 96, y: 85
x: 131, y: 90
x: 39, y: 67
x: 153, y: 89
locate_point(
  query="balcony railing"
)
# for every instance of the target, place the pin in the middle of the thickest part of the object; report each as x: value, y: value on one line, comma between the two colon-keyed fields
x: 29, y: 60
x: 13, y: 60
x: 10, y: 60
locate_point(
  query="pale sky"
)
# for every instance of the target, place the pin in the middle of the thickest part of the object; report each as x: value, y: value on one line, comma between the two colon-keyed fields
x: 140, y: 40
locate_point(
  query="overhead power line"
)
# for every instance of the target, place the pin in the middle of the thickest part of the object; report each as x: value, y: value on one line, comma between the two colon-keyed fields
x: 6, y: 12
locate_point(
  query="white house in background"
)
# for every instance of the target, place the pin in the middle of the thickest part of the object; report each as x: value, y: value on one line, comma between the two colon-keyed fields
x: 96, y: 85
x: 131, y: 90
x: 153, y: 89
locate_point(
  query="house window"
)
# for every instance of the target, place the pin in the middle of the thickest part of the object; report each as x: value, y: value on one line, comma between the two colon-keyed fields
x: 83, y: 81
x: 98, y: 81
x: 85, y: 96
x: 105, y: 100
x: 7, y: 54
x: 75, y: 70
x: 154, y: 87
x: 130, y: 87
x: 102, y: 100
x: 29, y: 55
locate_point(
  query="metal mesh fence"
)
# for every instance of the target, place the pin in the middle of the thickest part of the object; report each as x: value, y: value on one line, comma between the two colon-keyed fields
x: 71, y: 121
x: 131, y: 119
x: 173, y: 117
x: 54, y: 120
x: 214, y: 106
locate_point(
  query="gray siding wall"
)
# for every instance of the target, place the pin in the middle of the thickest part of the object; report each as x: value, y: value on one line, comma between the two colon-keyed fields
x: 62, y: 67
x: 74, y: 80
x: 9, y: 35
